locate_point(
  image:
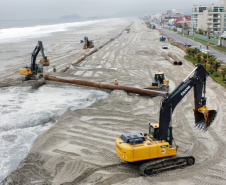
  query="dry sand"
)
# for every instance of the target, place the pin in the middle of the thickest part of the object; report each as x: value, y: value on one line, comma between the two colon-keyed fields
x: 80, y: 148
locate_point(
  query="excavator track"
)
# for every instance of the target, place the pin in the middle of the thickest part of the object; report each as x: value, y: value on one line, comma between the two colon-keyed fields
x: 164, y: 164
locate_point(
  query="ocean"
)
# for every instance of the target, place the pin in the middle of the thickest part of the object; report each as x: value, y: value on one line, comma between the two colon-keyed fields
x: 25, y: 114
x: 19, y: 30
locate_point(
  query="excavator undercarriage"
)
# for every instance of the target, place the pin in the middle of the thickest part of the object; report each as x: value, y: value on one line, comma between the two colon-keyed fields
x: 164, y: 164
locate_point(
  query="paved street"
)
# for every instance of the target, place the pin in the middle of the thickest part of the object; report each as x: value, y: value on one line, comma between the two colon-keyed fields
x: 179, y: 38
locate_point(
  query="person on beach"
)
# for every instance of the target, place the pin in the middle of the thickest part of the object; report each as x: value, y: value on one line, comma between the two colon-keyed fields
x: 116, y: 82
x: 54, y: 68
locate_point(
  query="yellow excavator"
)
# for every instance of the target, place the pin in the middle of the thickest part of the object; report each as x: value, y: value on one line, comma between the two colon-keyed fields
x: 155, y: 151
x: 160, y: 83
x: 35, y: 71
x: 88, y: 43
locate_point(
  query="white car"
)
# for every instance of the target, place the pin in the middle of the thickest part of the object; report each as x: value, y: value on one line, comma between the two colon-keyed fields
x: 205, y: 51
x: 164, y: 46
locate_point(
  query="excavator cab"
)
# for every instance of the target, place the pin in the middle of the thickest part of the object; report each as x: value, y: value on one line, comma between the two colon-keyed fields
x: 159, y: 78
x: 154, y: 131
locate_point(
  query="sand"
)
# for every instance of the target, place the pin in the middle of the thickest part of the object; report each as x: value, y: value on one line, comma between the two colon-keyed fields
x: 80, y: 147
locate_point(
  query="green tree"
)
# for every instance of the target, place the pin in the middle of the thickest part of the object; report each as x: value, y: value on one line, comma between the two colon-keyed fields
x: 224, y: 72
x: 199, y: 57
x: 201, y: 31
x: 217, y: 64
x: 189, y: 51
x: 211, y: 63
x: 194, y: 51
x: 204, y: 57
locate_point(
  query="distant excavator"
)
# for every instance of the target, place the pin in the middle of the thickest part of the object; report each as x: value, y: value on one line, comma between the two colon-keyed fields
x: 88, y: 43
x: 160, y: 83
x: 35, y: 71
x: 155, y: 152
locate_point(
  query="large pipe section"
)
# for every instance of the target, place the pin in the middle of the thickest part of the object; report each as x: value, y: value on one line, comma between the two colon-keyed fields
x: 107, y: 86
x: 173, y: 56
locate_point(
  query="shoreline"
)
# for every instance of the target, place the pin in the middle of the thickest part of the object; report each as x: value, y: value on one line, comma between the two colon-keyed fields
x: 79, y: 148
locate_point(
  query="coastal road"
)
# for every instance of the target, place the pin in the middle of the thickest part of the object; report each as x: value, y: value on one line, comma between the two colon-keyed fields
x: 181, y: 39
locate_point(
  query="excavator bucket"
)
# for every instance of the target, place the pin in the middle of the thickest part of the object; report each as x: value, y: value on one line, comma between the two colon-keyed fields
x: 204, y: 117
x: 45, y: 62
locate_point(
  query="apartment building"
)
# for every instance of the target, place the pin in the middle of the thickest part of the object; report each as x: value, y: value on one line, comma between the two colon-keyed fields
x: 212, y: 17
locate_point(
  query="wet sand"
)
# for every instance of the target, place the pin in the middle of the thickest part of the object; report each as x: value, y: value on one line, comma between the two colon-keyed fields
x: 80, y: 147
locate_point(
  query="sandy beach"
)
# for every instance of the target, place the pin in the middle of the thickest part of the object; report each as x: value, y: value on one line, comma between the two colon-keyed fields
x: 80, y: 147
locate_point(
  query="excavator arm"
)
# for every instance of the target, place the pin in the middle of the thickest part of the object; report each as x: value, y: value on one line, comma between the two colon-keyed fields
x: 203, y: 115
x: 39, y: 47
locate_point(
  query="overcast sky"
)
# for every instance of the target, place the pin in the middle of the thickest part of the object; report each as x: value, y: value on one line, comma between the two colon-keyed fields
x: 51, y: 9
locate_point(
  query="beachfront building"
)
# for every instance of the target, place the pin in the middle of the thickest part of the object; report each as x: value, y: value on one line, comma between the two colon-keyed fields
x: 211, y: 17
x: 169, y: 17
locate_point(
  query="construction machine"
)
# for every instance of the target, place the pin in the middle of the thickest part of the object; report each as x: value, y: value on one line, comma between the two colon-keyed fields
x: 160, y: 83
x: 35, y: 71
x: 88, y: 43
x: 162, y: 39
x: 155, y: 151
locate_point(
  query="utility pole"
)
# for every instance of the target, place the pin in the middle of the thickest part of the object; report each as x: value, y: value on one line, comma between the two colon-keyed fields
x: 209, y: 22
x: 208, y: 46
x: 193, y: 27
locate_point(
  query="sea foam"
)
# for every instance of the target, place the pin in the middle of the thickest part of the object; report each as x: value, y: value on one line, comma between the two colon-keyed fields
x: 22, y: 33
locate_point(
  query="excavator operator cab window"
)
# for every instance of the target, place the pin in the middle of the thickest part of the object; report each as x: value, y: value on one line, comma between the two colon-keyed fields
x: 154, y: 131
x: 156, y: 77
x: 40, y: 68
x: 161, y: 78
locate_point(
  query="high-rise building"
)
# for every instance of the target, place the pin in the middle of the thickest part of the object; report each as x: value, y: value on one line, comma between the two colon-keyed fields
x: 209, y: 17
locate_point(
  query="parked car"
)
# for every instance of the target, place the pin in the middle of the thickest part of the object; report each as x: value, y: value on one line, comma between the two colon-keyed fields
x: 211, y: 54
x: 187, y: 44
x: 205, y: 51
x: 164, y: 46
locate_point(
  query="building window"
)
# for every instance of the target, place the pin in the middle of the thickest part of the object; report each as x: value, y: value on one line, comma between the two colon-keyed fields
x: 201, y: 9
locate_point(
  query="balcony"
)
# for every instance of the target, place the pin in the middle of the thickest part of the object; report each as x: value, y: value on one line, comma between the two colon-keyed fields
x: 216, y: 21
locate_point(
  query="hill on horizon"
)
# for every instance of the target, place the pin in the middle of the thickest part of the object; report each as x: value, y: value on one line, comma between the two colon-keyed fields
x: 72, y: 16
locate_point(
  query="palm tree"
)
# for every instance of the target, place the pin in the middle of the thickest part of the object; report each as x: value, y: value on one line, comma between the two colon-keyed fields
x: 199, y: 57
x: 211, y: 63
x: 217, y: 64
x: 189, y: 51
x: 224, y: 72
x: 194, y: 51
